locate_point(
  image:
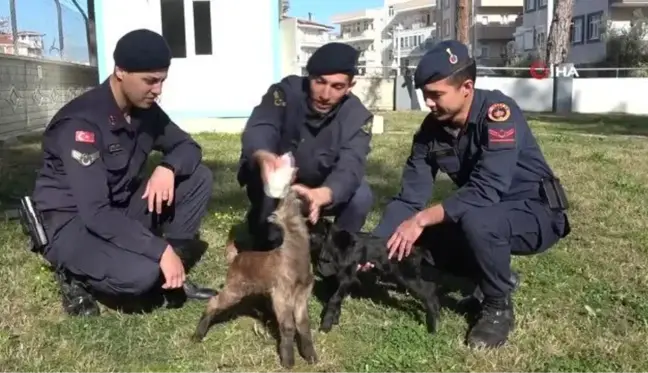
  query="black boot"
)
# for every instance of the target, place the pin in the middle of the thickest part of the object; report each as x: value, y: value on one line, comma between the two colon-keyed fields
x: 189, y: 252
x: 494, y: 324
x: 76, y: 300
x: 472, y: 303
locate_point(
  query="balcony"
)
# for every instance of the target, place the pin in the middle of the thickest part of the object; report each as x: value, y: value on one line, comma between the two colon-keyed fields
x: 353, y: 16
x: 499, y: 3
x: 414, y: 5
x: 417, y: 29
x: 628, y: 3
x: 366, y: 35
x: 314, y: 41
x: 495, y: 31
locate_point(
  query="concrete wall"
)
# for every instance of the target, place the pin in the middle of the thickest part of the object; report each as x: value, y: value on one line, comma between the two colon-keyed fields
x: 32, y: 90
x: 375, y: 92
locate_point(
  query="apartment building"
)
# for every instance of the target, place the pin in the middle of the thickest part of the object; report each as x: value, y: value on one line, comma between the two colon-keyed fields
x: 409, y: 32
x: 396, y: 34
x: 492, y: 28
x: 300, y: 38
x: 589, y: 19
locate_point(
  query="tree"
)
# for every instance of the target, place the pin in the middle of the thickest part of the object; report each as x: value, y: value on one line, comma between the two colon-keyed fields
x: 91, y: 35
x: 5, y: 25
x: 558, y: 39
x: 463, y: 21
x: 626, y: 47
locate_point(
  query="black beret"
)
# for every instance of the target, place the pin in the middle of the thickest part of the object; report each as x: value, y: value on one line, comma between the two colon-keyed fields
x: 142, y: 50
x: 333, y: 58
x: 443, y: 60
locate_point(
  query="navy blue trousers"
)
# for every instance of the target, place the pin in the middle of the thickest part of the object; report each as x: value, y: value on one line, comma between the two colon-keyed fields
x: 349, y: 215
x: 480, y: 245
x: 112, y: 270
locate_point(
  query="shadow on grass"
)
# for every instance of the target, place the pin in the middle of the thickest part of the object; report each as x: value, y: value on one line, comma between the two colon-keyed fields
x: 596, y: 124
x: 19, y: 163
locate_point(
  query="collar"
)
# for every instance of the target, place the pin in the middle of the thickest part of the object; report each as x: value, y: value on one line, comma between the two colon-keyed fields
x: 113, y: 113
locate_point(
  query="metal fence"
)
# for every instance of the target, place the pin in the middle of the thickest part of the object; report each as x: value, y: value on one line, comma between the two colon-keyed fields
x: 513, y: 72
x: 47, y: 29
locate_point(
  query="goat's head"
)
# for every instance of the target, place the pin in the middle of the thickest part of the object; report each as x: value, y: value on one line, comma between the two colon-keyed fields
x: 289, y: 211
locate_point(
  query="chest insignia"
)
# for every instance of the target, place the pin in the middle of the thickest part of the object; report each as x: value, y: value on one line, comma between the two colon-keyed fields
x: 85, y: 159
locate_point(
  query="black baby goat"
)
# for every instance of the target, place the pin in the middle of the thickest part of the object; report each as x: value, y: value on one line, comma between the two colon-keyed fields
x: 338, y: 254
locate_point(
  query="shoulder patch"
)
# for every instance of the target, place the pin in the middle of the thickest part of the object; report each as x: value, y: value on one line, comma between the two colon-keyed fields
x: 84, y: 136
x: 278, y: 98
x: 85, y: 159
x: 499, y: 112
x: 366, y: 128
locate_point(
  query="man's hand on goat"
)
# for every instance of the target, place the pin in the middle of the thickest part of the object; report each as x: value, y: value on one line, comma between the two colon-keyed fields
x: 403, y: 239
x: 268, y: 163
x: 316, y: 197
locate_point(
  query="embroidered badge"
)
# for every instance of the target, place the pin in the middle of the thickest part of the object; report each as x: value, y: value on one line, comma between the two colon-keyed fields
x: 114, y: 148
x: 278, y: 98
x: 452, y: 58
x: 366, y: 128
x: 499, y: 112
x: 85, y: 159
x: 501, y: 135
x: 84, y: 136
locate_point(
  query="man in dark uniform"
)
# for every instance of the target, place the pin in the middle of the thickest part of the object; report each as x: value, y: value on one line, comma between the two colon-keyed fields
x: 328, y: 131
x: 97, y: 211
x: 506, y: 199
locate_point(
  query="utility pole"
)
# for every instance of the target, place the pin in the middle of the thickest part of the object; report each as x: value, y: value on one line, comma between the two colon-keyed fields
x: 463, y: 21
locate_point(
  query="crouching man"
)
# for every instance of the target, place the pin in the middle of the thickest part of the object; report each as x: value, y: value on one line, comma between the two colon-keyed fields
x: 97, y: 211
x: 508, y: 200
x: 327, y: 130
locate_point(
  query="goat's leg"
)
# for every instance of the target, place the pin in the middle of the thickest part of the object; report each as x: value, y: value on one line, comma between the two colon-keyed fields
x: 283, y: 304
x: 302, y: 321
x: 334, y: 305
x: 228, y: 297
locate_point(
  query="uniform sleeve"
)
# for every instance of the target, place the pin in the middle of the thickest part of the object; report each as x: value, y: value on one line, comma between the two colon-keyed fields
x: 417, y: 184
x: 346, y: 176
x: 86, y: 175
x: 494, y: 170
x: 263, y: 128
x: 180, y: 151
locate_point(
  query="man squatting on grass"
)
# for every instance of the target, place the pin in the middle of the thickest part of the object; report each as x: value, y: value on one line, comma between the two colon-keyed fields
x: 97, y: 212
x: 506, y: 199
x: 327, y: 130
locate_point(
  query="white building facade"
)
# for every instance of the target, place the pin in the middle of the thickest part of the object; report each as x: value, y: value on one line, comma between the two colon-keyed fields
x: 224, y: 55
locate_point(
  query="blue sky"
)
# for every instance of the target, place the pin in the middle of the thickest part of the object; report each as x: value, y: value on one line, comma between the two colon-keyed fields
x: 323, y: 9
x: 40, y: 15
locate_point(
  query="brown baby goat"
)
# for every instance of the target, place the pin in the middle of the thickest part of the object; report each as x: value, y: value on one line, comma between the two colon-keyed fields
x: 285, y: 274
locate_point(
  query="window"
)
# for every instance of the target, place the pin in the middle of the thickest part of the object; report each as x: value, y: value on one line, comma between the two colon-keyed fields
x: 529, y: 5
x: 576, y: 36
x: 446, y: 27
x: 391, y: 10
x: 173, y: 26
x: 542, y: 4
x: 594, y: 26
x: 202, y: 27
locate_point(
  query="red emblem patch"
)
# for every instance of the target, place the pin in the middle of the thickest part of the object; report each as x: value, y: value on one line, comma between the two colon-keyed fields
x: 506, y: 136
x: 84, y: 136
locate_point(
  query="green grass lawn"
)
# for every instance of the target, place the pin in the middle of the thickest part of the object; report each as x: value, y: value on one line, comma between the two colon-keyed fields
x: 583, y: 306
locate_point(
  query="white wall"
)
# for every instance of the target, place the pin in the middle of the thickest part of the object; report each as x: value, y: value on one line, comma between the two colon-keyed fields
x: 588, y: 95
x: 228, y: 83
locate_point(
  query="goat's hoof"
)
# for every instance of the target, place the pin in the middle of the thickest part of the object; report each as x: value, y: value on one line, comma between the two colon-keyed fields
x: 288, y: 361
x: 196, y: 338
x: 432, y: 326
x: 311, y: 359
x: 326, y: 327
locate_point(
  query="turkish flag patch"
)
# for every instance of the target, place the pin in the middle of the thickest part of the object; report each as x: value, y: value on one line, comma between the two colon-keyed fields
x: 84, y: 136
x: 501, y: 135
